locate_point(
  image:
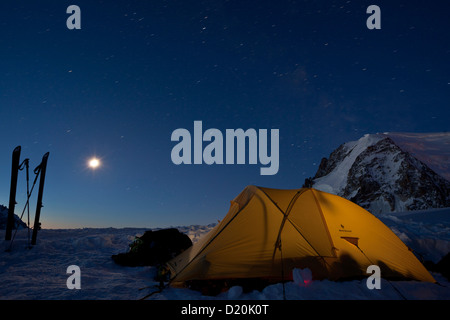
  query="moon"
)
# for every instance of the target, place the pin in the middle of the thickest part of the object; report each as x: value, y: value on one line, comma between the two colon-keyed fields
x: 94, y: 163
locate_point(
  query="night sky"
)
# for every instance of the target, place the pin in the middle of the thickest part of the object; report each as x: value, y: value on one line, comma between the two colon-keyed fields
x: 138, y: 70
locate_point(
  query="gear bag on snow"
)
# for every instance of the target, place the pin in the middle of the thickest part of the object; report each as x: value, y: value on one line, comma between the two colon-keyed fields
x: 154, y: 248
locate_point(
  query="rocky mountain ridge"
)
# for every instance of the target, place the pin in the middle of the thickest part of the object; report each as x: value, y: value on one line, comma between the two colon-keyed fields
x: 379, y: 175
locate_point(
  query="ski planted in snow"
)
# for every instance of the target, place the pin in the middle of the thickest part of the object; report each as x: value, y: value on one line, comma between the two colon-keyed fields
x: 12, y: 192
x: 40, y: 169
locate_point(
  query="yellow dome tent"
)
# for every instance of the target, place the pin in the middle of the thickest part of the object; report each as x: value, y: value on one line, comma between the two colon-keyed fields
x: 268, y: 232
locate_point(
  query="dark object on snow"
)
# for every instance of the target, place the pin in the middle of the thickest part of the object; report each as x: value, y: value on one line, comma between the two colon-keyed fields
x: 39, y: 170
x: 12, y: 192
x: 154, y: 248
x: 443, y: 266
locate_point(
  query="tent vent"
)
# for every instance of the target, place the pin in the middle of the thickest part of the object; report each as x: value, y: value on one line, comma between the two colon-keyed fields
x: 352, y: 240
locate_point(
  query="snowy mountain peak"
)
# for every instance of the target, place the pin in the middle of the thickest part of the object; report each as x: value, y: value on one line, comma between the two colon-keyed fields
x: 333, y: 172
x: 381, y: 176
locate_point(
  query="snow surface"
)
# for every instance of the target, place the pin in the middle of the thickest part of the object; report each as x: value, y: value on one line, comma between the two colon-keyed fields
x: 40, y: 272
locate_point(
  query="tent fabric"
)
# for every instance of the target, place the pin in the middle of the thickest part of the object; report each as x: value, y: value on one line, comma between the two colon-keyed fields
x: 269, y: 232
